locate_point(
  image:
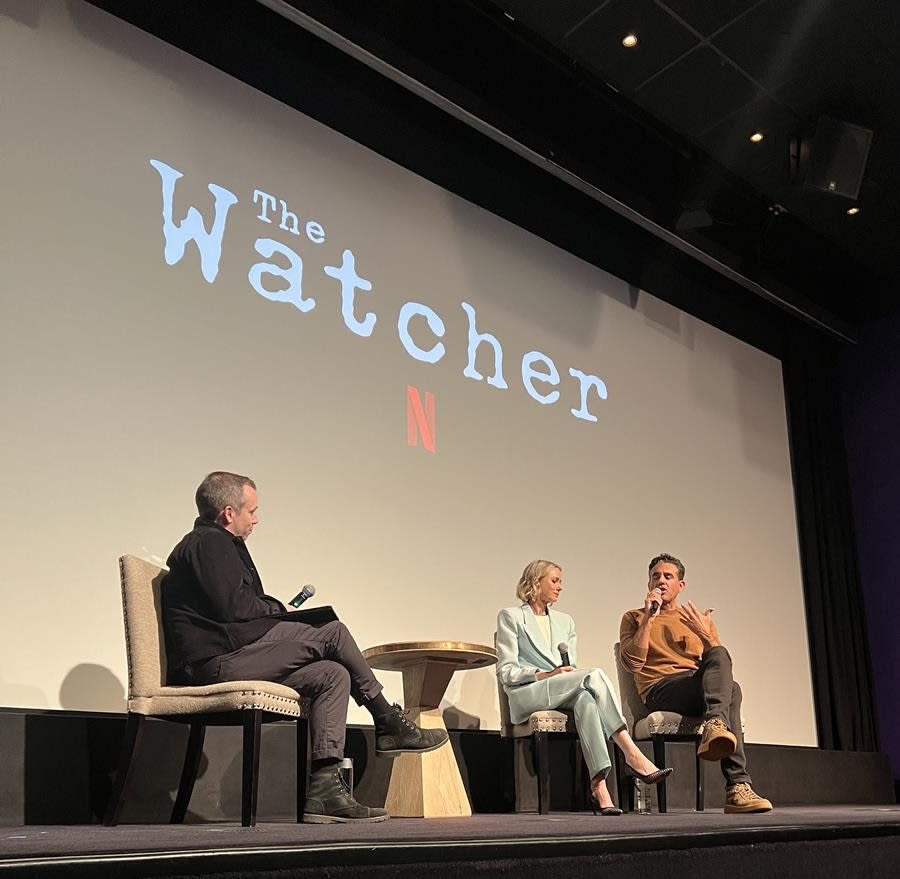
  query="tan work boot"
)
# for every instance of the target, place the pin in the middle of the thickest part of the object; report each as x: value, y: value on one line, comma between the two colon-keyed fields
x: 716, y: 743
x: 742, y: 798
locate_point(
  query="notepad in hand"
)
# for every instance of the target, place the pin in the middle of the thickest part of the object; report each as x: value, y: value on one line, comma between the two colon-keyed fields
x: 312, y: 616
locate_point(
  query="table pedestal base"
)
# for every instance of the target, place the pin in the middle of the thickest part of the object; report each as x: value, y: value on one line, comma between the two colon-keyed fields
x: 427, y: 785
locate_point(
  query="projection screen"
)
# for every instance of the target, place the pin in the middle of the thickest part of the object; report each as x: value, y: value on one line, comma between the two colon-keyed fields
x: 198, y: 277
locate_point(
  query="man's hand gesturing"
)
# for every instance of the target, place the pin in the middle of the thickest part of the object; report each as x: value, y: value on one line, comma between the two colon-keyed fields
x: 699, y: 623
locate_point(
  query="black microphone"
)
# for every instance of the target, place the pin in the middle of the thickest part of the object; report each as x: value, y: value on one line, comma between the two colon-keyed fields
x: 654, y: 607
x: 563, y: 649
x: 306, y: 592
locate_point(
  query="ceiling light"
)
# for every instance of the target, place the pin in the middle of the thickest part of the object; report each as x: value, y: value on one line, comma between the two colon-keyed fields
x: 757, y: 136
x: 629, y: 41
x: 853, y: 211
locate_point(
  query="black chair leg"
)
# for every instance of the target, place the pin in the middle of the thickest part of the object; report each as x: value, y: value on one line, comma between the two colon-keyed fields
x: 659, y: 758
x: 133, y: 729
x: 698, y: 770
x: 578, y: 774
x: 624, y: 783
x: 250, y: 774
x: 189, y: 772
x: 542, y: 769
x: 302, y: 765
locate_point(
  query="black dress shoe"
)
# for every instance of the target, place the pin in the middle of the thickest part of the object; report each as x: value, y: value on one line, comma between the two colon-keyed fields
x: 396, y: 734
x: 652, y: 777
x: 328, y: 801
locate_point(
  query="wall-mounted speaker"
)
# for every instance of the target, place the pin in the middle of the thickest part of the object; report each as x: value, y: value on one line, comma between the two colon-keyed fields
x: 837, y: 157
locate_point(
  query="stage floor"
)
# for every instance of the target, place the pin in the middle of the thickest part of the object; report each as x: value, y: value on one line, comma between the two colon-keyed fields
x: 488, y: 835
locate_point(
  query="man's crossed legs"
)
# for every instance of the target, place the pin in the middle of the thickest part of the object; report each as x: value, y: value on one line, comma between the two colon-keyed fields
x: 711, y: 692
x: 324, y: 664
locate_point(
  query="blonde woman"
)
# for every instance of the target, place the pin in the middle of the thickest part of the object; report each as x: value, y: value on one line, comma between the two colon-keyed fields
x: 531, y: 672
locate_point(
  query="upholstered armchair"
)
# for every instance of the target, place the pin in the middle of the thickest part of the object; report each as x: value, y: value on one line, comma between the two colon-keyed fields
x: 243, y: 703
x: 658, y: 727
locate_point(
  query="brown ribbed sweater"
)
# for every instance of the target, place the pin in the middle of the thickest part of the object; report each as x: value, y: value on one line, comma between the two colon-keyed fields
x: 674, y: 648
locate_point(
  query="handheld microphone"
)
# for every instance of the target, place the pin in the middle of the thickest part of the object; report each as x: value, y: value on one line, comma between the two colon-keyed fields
x: 306, y: 592
x: 563, y: 649
x: 654, y: 607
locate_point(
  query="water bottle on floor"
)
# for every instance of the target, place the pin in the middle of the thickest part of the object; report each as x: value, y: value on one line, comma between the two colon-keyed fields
x: 642, y: 797
x: 346, y: 768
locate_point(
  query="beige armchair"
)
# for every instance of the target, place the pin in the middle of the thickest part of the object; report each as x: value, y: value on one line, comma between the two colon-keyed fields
x: 242, y: 703
x: 659, y: 727
x: 531, y: 766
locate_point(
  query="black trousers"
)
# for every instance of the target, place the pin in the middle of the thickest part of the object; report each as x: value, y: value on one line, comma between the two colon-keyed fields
x: 709, y: 692
x: 320, y: 662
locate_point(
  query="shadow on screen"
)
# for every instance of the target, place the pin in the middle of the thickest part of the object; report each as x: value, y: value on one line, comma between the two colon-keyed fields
x: 91, y: 687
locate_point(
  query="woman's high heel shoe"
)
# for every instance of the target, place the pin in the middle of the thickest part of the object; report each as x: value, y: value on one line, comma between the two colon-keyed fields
x: 607, y: 811
x: 652, y: 777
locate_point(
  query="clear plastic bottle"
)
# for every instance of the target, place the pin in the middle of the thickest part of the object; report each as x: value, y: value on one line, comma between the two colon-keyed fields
x: 642, y: 797
x: 346, y: 767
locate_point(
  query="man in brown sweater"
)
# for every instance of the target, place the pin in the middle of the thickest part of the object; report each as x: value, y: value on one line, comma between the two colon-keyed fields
x: 680, y: 665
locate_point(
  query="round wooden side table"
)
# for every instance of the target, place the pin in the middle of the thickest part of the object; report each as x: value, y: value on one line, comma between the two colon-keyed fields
x: 428, y: 785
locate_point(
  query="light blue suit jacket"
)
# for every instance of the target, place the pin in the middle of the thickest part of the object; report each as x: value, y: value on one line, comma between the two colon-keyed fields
x: 522, y: 651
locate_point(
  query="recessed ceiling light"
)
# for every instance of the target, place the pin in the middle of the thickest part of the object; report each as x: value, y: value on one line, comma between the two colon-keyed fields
x: 853, y: 211
x: 629, y: 41
x: 757, y: 136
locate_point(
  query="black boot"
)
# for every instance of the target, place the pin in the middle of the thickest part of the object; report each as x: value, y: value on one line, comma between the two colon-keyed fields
x: 328, y: 801
x: 395, y: 734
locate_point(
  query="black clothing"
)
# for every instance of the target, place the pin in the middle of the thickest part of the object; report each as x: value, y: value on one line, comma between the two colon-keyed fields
x: 221, y: 626
x: 708, y: 692
x: 212, y: 600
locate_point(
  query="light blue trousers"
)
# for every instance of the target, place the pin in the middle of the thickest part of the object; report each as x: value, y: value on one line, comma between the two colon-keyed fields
x: 592, y: 699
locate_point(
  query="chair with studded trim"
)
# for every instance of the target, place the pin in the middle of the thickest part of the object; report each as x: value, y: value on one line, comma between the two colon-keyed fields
x: 531, y: 755
x: 658, y: 727
x: 248, y: 704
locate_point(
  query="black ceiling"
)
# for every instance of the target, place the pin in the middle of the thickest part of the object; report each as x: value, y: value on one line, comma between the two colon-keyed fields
x: 717, y: 70
x: 664, y: 127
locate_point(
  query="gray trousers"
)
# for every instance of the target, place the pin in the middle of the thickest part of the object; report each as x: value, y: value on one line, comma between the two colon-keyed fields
x: 708, y: 692
x: 322, y: 663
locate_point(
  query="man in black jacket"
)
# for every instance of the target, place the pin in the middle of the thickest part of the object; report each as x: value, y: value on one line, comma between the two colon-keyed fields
x: 219, y: 626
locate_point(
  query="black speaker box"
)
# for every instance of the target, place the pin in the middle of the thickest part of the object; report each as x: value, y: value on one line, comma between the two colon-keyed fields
x: 837, y: 157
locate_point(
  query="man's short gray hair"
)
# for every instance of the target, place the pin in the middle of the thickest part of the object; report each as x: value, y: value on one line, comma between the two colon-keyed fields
x: 220, y: 490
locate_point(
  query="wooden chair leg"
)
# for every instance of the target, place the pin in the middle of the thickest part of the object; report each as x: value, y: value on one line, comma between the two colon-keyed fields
x: 624, y: 783
x: 133, y: 729
x: 659, y: 758
x: 525, y: 778
x: 302, y: 765
x: 698, y: 770
x: 542, y: 769
x: 577, y: 802
x: 189, y: 772
x: 250, y: 774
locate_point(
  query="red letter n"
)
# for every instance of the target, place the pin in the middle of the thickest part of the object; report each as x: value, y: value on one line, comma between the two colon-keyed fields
x: 419, y: 421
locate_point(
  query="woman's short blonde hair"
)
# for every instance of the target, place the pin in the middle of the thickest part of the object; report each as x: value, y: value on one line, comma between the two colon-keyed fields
x: 527, y: 587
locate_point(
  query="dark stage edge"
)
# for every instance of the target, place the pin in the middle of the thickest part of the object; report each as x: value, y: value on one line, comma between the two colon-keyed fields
x: 822, y: 841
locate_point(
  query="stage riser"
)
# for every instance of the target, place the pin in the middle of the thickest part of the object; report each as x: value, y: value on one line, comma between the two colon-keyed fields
x: 800, y: 859
x: 57, y: 769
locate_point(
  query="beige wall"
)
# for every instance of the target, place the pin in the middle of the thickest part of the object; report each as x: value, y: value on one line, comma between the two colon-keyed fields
x: 127, y: 379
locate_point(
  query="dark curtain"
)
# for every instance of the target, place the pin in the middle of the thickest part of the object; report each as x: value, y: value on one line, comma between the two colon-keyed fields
x: 838, y: 640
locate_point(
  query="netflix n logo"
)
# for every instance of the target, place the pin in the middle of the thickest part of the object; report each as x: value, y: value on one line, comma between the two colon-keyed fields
x: 419, y: 419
